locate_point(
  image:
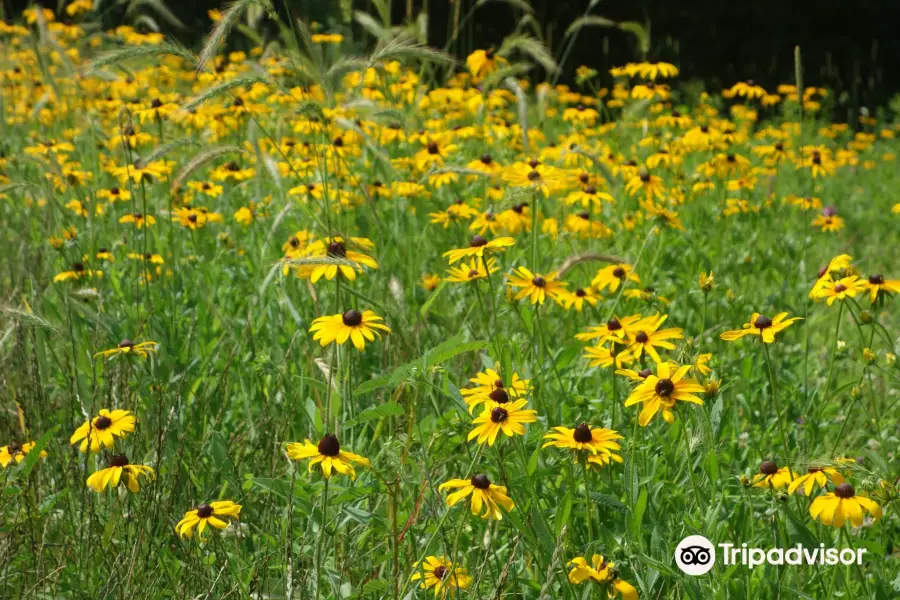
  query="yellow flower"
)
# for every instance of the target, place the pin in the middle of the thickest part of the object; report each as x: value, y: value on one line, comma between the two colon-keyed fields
x: 487, y: 498
x: 472, y: 271
x: 647, y: 336
x: 578, y: 298
x: 353, y: 325
x: 138, y: 219
x: 536, y: 287
x: 349, y: 251
x: 17, y: 452
x: 119, y: 467
x: 490, y: 390
x: 762, y: 326
x: 601, y: 356
x: 483, y: 62
x: 707, y: 282
x: 601, y: 572
x: 103, y: 430
x: 843, y: 505
x: 430, y: 281
x: 612, y: 276
x: 877, y: 284
x: 507, y: 418
x: 815, y: 477
x: 213, y: 514
x: 615, y: 330
x: 126, y: 346
x: 770, y: 476
x: 479, y: 247
x: 440, y: 574
x: 661, y: 391
x: 846, y: 287
x: 583, y: 438
x: 78, y: 272
x: 328, y: 453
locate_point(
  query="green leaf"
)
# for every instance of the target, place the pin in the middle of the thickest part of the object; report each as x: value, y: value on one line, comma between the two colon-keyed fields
x: 799, y: 533
x: 32, y: 457
x: 589, y: 21
x: 562, y: 514
x: 637, y: 513
x: 388, y: 409
x: 440, y: 353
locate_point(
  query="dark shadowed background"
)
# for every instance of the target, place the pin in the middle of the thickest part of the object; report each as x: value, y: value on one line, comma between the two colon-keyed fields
x: 851, y: 47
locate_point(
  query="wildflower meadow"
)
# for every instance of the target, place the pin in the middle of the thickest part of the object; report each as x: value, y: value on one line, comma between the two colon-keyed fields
x: 324, y: 312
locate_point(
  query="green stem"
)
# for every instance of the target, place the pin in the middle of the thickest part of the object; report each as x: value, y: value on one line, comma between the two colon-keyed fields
x: 778, y: 417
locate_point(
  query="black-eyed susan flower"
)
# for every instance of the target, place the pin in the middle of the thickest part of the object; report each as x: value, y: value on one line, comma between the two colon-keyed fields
x: 877, y: 284
x: 78, y: 271
x: 644, y: 183
x: 489, y: 389
x: 616, y: 330
x: 472, y: 271
x: 843, y: 505
x: 537, y: 288
x: 602, y: 573
x: 483, y: 62
x: 478, y: 247
x: 659, y: 392
x: 601, y: 356
x: 762, y: 326
x: 351, y: 249
x: 486, y: 498
x: 217, y: 514
x: 536, y: 175
x: 441, y: 576
x: 706, y: 282
x: 647, y: 337
x: 139, y: 220
x: 507, y: 418
x: 353, y: 325
x: 815, y: 478
x: 772, y: 477
x: 612, y: 277
x: 329, y: 454
x: 16, y: 452
x: 586, y: 441
x: 119, y: 468
x: 578, y: 298
x: 846, y: 287
x: 126, y: 346
x: 103, y: 429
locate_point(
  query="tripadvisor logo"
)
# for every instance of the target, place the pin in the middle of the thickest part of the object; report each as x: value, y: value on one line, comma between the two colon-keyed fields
x: 696, y: 555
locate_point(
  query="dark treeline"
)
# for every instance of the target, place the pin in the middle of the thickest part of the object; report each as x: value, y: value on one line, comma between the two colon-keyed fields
x: 849, y: 47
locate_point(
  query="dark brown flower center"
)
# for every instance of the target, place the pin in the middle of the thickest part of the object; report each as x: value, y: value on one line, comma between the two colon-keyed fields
x: 768, y: 467
x: 580, y: 293
x: 814, y: 470
x: 645, y: 177
x: 478, y: 241
x: 114, y: 191
x: 486, y: 159
x: 329, y: 446
x: 440, y: 571
x: 499, y: 396
x: 590, y: 190
x: 352, y: 318
x: 876, y: 279
x: 118, y: 461
x: 519, y: 208
x: 665, y: 387
x: 489, y: 54
x: 845, y: 490
x: 156, y: 103
x: 78, y: 267
x: 619, y: 272
x: 102, y: 422
x: 126, y: 343
x: 533, y: 175
x: 613, y: 324
x: 481, y: 482
x: 840, y: 288
x: 472, y: 274
x: 538, y: 281
x: 582, y: 433
x: 192, y: 218
x: 645, y: 373
x: 338, y: 249
x: 204, y: 511
x: 584, y: 215
x: 433, y: 148
x: 14, y: 448
x: 499, y: 414
x: 762, y: 322
x: 642, y: 337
